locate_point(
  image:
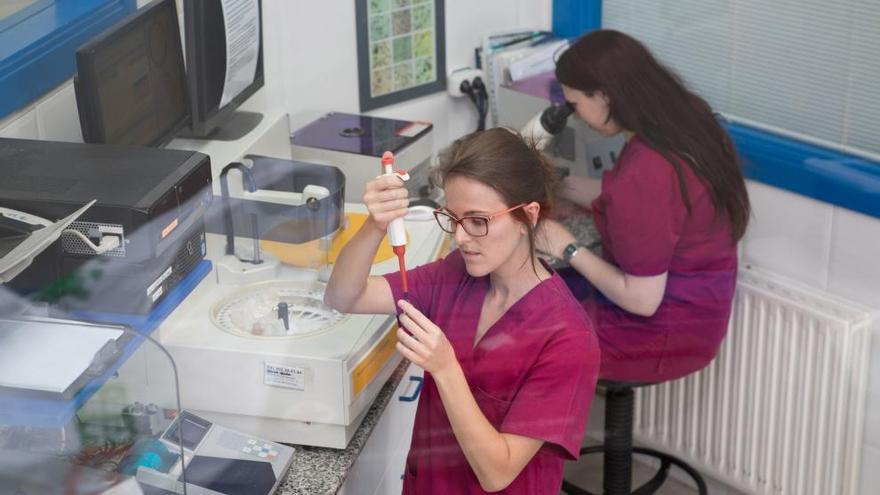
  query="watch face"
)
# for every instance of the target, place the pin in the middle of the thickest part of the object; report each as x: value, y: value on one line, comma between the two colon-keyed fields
x: 569, y: 251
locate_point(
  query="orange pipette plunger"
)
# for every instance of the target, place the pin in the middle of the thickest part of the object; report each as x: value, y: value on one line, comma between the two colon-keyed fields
x: 396, y: 231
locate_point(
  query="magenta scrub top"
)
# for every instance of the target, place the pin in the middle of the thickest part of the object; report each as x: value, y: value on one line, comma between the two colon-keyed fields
x: 646, y: 230
x: 533, y: 373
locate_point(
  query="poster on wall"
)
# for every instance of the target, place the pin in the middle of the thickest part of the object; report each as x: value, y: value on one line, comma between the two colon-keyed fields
x: 401, y: 50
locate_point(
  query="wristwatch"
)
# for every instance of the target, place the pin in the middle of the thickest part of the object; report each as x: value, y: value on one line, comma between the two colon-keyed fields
x: 569, y: 251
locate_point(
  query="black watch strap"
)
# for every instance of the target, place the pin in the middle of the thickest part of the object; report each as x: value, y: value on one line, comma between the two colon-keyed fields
x: 570, y: 251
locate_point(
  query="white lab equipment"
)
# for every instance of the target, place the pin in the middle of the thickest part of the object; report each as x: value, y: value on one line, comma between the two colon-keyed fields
x: 548, y: 124
x: 270, y: 358
x: 218, y: 460
x: 582, y: 150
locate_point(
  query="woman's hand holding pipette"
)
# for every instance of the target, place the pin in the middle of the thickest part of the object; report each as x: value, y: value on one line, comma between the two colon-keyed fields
x: 386, y: 199
x: 351, y: 288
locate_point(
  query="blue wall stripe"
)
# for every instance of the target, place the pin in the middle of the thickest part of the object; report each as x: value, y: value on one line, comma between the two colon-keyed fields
x: 831, y: 176
x: 572, y: 18
x: 37, y: 45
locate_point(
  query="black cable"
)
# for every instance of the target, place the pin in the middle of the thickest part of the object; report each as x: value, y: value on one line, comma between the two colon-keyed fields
x: 483, y: 96
x: 466, y: 88
x: 478, y: 95
x: 475, y: 96
x: 483, y: 109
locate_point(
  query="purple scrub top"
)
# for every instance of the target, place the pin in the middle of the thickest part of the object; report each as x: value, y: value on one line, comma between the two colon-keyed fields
x: 646, y: 230
x: 533, y: 373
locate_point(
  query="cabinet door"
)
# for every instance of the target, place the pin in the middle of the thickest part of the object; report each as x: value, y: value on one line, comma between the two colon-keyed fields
x: 390, y: 435
x: 392, y: 481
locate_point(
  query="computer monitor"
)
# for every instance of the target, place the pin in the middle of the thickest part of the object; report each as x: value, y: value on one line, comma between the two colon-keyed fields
x: 224, y: 65
x: 131, y: 81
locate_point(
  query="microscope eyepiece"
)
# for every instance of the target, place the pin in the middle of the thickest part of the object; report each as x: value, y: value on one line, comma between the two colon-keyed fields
x: 553, y: 119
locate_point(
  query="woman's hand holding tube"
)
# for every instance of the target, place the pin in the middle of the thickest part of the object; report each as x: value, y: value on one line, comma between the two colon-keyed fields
x: 423, y: 342
x: 386, y: 199
x: 496, y: 458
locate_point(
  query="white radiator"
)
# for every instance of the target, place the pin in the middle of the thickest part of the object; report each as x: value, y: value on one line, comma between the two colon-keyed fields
x: 781, y: 409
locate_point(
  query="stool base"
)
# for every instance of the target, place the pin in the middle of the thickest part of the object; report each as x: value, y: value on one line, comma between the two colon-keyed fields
x: 652, y: 485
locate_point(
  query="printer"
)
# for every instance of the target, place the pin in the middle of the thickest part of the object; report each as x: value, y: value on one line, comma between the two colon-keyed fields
x: 143, y: 235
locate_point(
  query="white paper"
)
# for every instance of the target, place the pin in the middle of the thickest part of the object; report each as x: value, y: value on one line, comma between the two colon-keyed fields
x: 48, y: 356
x: 280, y: 375
x: 242, y: 21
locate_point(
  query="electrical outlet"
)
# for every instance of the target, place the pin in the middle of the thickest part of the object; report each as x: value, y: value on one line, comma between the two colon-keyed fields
x: 458, y: 76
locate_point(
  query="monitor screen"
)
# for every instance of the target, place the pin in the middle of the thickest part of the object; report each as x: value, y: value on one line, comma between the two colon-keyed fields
x: 224, y: 53
x: 131, y: 80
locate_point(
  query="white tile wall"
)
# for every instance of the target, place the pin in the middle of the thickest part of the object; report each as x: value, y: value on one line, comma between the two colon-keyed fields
x: 57, y: 116
x: 854, y: 267
x: 53, y: 117
x: 22, y: 125
x: 788, y: 234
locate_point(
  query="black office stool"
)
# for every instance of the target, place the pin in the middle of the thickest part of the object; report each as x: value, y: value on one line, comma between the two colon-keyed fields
x: 618, y: 448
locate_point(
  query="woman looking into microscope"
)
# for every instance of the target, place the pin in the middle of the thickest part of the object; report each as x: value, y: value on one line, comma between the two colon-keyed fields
x: 669, y: 213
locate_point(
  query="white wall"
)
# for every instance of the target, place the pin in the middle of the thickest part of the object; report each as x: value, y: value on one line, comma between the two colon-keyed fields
x: 833, y: 249
x: 54, y: 116
x: 320, y: 61
x: 311, y: 66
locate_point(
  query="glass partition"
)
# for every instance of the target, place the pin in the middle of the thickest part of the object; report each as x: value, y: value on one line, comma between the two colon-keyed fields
x: 84, y: 408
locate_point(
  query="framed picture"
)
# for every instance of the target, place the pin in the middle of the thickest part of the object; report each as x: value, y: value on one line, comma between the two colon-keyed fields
x: 401, y: 50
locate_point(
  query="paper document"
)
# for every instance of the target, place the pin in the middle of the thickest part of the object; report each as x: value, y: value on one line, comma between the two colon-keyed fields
x: 49, y: 356
x: 540, y: 60
x: 242, y: 21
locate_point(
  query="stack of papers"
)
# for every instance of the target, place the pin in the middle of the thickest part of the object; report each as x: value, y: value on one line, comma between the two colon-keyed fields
x: 48, y: 356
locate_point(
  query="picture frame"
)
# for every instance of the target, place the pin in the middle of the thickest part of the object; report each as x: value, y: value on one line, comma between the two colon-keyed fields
x: 401, y: 47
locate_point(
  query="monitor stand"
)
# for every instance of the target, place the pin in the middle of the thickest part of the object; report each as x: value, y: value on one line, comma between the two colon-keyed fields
x: 239, y: 124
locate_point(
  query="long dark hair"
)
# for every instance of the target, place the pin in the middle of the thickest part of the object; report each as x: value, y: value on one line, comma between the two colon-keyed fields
x: 650, y: 100
x: 508, y: 163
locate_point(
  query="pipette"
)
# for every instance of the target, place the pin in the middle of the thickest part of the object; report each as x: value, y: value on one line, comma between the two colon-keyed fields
x: 396, y: 232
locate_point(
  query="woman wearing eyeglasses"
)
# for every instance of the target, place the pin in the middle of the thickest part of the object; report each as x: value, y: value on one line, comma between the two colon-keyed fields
x: 669, y: 214
x: 510, y: 359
